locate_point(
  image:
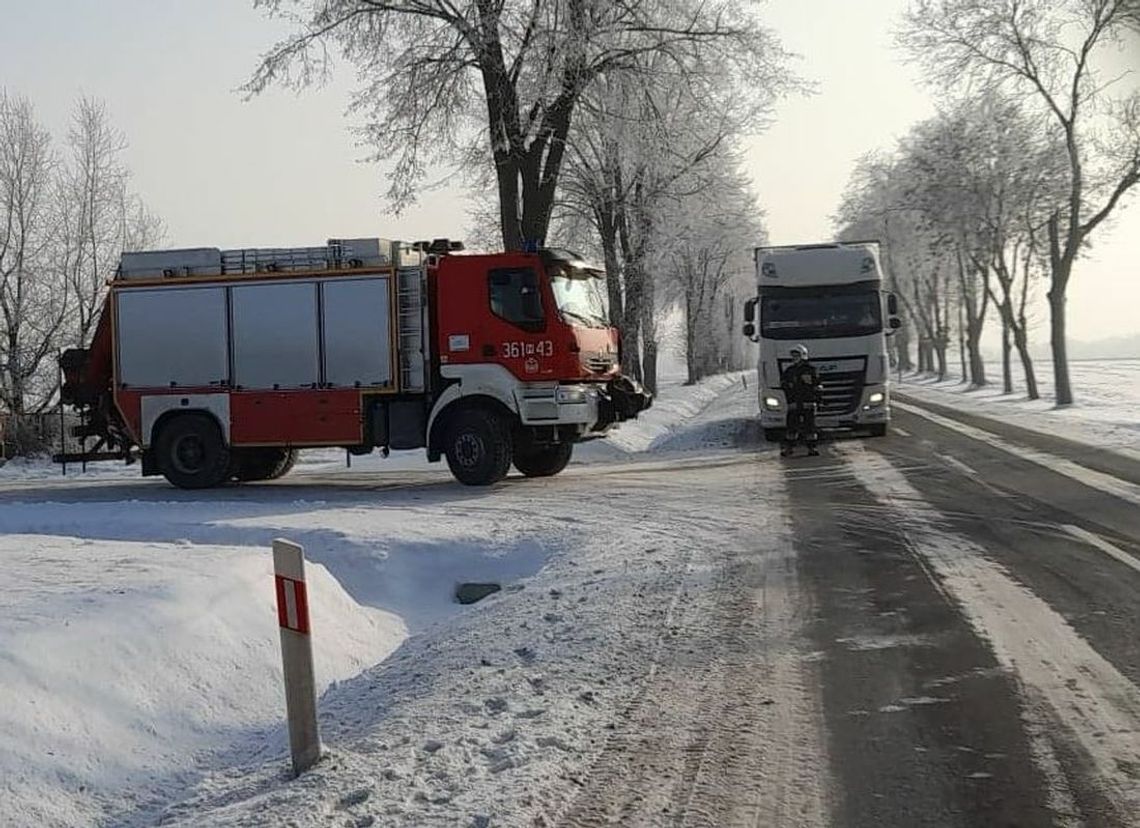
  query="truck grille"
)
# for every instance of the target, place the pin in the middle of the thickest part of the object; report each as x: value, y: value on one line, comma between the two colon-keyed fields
x: 841, y: 392
x: 599, y: 363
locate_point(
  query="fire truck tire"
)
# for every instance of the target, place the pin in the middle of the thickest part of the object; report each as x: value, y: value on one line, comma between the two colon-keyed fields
x: 543, y: 461
x: 262, y: 463
x: 478, y: 447
x: 878, y: 430
x: 191, y: 453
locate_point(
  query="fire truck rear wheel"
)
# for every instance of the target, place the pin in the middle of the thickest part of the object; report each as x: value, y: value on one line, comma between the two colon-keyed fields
x: 191, y: 453
x: 543, y: 461
x: 262, y: 463
x: 478, y: 447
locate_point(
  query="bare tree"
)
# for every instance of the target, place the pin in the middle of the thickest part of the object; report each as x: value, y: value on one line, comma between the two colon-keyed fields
x: 706, y: 239
x: 99, y: 215
x: 461, y: 80
x: 1047, y: 48
x: 32, y: 308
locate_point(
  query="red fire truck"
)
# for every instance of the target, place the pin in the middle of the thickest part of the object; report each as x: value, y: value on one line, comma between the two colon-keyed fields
x: 217, y: 365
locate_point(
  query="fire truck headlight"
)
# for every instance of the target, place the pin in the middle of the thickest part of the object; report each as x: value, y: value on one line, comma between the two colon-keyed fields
x: 876, y: 398
x: 771, y: 402
x: 571, y: 395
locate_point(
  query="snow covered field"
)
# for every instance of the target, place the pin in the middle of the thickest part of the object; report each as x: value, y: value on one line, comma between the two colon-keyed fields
x: 138, y: 647
x: 1106, y: 412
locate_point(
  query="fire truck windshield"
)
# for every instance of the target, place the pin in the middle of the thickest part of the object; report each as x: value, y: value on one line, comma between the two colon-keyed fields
x: 581, y: 296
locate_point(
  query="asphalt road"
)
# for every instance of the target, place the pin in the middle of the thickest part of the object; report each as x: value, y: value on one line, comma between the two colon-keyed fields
x: 962, y: 613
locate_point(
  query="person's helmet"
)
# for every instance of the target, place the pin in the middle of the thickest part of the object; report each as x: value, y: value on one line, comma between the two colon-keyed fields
x: 800, y: 351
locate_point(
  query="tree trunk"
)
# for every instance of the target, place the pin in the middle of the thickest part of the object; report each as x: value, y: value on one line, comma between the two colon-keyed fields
x: 940, y: 353
x: 1064, y: 389
x: 902, y: 349
x: 1021, y: 342
x: 1006, y: 367
x: 962, y: 344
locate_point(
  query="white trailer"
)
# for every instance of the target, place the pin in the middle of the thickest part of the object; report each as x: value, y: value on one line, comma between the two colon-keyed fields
x: 829, y: 298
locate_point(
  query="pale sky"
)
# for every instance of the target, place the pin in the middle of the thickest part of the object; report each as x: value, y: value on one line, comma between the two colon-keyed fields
x: 283, y: 170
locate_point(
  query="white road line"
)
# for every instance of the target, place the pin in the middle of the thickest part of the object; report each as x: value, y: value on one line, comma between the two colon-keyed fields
x: 1104, y: 546
x: 1082, y: 474
x: 958, y: 464
x: 902, y: 432
x: 1052, y: 662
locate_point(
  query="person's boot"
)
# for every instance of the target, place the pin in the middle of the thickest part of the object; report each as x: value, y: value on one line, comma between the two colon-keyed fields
x: 813, y: 451
x: 785, y: 451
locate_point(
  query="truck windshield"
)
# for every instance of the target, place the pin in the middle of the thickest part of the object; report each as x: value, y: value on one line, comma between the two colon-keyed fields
x: 581, y: 296
x: 820, y: 316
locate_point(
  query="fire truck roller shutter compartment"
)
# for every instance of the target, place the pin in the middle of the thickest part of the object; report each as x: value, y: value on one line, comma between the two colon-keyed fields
x: 275, y: 335
x: 172, y: 336
x: 358, y: 349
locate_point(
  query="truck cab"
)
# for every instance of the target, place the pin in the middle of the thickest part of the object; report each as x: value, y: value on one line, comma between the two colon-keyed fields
x: 829, y: 298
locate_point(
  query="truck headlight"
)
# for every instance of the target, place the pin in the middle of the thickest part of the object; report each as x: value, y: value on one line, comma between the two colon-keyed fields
x: 876, y: 398
x: 571, y: 395
x: 771, y: 402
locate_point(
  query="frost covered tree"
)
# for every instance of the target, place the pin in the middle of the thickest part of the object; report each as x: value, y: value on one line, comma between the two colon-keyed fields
x: 487, y: 84
x: 646, y: 141
x: 100, y: 216
x: 32, y: 299
x: 706, y: 239
x: 1048, y: 50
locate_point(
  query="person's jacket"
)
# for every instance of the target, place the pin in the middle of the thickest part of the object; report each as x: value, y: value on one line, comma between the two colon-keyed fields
x: 800, y: 383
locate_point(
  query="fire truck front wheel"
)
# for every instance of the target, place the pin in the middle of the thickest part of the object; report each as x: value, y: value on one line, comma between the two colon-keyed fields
x: 191, y: 453
x: 543, y: 461
x: 478, y: 447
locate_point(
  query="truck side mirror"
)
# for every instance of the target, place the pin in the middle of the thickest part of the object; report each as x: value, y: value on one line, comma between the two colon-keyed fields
x: 749, y: 330
x: 892, y: 304
x: 750, y: 311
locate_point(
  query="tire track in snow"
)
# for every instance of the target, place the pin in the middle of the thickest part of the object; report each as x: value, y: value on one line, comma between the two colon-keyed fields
x: 1065, y: 679
x: 727, y: 730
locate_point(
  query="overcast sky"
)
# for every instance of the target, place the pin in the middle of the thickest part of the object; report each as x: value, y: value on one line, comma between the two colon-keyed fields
x: 283, y: 169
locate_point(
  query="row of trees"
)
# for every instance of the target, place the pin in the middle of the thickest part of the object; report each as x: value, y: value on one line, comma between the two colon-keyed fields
x: 66, y: 212
x: 608, y: 126
x: 1005, y: 187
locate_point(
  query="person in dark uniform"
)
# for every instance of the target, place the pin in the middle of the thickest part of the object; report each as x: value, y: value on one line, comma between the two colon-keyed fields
x: 800, y: 382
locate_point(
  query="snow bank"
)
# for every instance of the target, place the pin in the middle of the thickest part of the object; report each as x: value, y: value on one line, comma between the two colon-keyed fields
x: 124, y: 665
x: 675, y: 405
x: 1106, y: 413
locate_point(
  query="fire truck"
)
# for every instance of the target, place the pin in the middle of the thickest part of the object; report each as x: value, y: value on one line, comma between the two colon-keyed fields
x: 211, y: 366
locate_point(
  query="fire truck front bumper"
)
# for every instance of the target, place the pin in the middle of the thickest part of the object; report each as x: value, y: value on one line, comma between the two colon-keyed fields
x: 621, y: 399
x: 585, y: 407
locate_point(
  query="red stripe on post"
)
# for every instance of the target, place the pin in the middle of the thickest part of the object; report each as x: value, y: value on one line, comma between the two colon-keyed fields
x: 289, y: 588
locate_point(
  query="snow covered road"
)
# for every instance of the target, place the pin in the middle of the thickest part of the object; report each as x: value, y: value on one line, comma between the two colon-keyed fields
x: 935, y: 628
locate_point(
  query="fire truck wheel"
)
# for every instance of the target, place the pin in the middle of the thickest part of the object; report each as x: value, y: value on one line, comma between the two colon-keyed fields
x: 543, y: 461
x: 191, y: 453
x: 878, y: 430
x: 478, y: 447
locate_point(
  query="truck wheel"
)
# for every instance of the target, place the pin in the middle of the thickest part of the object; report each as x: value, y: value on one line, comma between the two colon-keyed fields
x: 543, y: 461
x: 878, y: 430
x: 191, y: 453
x: 262, y: 463
x: 478, y: 447
x: 774, y: 435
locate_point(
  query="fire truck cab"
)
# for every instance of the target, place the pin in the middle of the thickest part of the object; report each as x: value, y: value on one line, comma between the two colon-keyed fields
x: 218, y: 365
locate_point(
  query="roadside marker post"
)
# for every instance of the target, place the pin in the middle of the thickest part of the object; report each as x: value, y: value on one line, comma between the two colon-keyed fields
x: 296, y: 653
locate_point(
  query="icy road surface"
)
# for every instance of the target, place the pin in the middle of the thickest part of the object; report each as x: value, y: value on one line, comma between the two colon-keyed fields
x: 934, y: 628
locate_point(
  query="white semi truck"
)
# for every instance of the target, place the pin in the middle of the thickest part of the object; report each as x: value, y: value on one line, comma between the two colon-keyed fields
x: 829, y: 298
